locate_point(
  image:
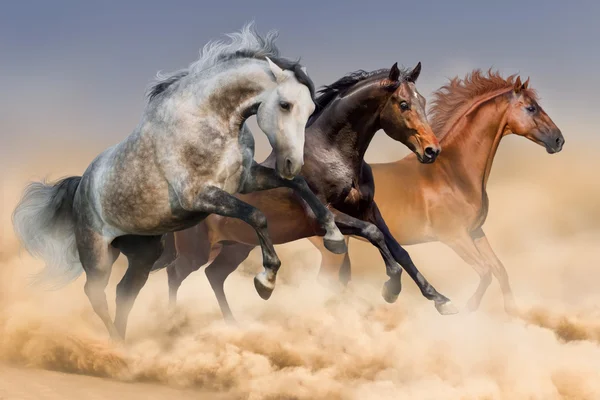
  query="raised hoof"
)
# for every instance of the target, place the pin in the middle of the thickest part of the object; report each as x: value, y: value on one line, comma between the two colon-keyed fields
x: 336, y: 246
x: 388, y: 294
x: 262, y: 289
x: 446, y: 308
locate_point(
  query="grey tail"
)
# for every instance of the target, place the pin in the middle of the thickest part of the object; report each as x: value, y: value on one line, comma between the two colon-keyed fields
x: 43, y: 221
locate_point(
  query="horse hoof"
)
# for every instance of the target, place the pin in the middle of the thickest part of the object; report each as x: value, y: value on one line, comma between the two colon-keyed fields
x: 446, y: 308
x: 336, y: 246
x: 388, y: 294
x: 264, y: 288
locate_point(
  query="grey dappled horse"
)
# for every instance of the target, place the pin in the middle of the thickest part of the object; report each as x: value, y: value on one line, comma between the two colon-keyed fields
x: 187, y: 157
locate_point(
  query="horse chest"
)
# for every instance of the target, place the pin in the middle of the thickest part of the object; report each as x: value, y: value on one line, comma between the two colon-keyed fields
x: 234, y: 167
x: 338, y: 190
x: 353, y: 201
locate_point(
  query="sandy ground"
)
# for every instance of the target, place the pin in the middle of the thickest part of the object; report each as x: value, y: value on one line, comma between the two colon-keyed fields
x: 309, y: 342
x: 36, y: 384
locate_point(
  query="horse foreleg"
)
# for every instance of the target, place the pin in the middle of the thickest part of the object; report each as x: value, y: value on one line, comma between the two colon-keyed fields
x: 464, y: 246
x: 217, y: 201
x: 224, y: 264
x: 442, y: 303
x: 354, y: 226
x: 193, y: 248
x: 263, y: 178
x: 333, y: 264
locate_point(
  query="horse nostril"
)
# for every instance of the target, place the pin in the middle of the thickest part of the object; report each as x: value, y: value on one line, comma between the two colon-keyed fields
x: 288, y: 165
x: 558, y: 141
x: 429, y: 152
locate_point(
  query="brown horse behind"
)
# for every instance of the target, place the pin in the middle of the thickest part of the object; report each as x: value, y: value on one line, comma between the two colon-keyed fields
x: 351, y: 111
x: 447, y: 201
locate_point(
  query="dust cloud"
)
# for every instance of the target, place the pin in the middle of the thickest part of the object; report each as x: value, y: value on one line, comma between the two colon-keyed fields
x: 312, y: 342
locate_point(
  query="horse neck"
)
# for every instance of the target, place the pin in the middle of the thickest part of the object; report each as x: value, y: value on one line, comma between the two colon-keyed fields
x: 234, y: 94
x: 473, y: 141
x: 348, y: 126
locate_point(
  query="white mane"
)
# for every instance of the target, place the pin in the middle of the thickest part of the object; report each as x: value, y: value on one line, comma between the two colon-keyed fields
x: 247, y: 43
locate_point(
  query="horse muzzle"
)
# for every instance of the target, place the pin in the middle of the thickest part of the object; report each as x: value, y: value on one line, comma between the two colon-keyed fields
x: 430, y: 154
x: 289, y: 169
x: 554, y: 142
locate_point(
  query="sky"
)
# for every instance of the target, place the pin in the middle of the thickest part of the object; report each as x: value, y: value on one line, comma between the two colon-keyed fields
x: 73, y: 73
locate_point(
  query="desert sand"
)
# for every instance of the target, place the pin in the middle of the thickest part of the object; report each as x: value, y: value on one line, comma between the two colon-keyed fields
x: 312, y: 342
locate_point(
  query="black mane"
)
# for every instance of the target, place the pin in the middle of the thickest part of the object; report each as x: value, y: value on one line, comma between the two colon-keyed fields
x: 338, y: 88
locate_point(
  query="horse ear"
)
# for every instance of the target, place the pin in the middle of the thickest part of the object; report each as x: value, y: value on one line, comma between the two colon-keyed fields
x: 526, y: 84
x: 394, y: 73
x: 414, y: 74
x: 518, y: 85
x: 276, y: 70
x: 303, y: 69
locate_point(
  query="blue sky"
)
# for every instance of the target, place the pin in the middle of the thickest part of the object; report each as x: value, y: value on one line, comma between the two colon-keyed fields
x: 73, y: 73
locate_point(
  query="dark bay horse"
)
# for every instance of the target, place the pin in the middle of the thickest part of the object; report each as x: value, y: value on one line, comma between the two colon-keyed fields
x: 350, y: 112
x: 448, y: 201
x: 187, y: 157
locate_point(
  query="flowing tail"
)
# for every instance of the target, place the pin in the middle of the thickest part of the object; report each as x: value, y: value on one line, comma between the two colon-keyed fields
x: 43, y: 222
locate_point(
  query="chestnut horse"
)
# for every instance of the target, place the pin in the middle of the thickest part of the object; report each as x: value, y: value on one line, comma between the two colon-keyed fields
x: 349, y: 113
x: 447, y: 201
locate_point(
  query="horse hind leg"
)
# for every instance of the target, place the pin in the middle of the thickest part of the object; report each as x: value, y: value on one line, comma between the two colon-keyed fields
x: 193, y: 248
x: 356, y: 227
x: 179, y: 270
x: 169, y: 254
x: 97, y: 257
x: 485, y: 249
x: 227, y: 261
x: 466, y: 249
x: 141, y: 252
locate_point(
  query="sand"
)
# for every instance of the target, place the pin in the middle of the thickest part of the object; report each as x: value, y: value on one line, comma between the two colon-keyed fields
x: 312, y: 342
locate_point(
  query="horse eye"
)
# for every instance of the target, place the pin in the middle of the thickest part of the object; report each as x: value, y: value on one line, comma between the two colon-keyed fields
x: 531, y: 109
x: 404, y: 106
x: 284, y: 105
